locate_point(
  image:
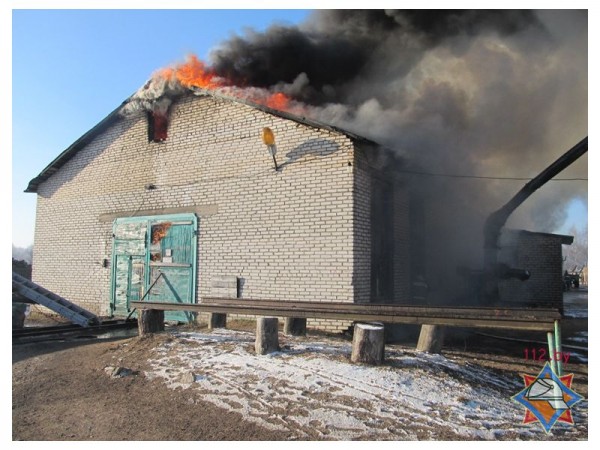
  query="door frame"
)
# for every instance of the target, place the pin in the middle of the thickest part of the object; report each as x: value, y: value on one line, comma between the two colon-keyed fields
x: 150, y: 220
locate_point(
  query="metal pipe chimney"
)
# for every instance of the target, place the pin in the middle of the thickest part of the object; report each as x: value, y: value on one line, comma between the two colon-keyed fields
x: 497, y: 219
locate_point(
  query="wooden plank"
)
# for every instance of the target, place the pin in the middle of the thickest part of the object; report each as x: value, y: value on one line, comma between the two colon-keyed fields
x: 221, y: 283
x: 432, y: 311
x: 129, y: 231
x: 225, y: 286
x: 384, y: 306
x: 228, y: 293
x: 423, y: 313
x: 165, y: 264
x: 467, y: 321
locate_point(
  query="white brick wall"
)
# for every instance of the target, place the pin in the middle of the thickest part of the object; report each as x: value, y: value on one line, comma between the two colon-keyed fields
x: 288, y: 234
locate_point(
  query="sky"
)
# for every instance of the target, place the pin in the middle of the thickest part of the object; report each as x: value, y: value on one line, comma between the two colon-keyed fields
x: 70, y: 68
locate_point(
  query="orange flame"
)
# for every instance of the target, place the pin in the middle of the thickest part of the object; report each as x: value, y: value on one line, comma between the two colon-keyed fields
x: 159, y: 231
x: 278, y: 101
x: 194, y: 73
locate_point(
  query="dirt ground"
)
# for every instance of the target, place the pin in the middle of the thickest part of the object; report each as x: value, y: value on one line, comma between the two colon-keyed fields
x: 62, y: 391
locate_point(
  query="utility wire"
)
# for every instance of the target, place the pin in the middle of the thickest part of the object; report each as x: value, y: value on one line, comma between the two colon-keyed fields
x: 447, y: 175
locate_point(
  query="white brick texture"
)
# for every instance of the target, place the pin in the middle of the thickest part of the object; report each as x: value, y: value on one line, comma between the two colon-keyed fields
x: 301, y: 233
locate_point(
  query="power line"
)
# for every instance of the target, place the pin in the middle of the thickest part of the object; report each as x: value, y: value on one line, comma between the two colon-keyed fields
x: 448, y: 175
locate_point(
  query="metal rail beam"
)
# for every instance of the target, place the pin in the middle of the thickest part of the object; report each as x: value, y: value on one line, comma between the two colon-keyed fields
x: 73, y: 328
x: 395, y: 309
x: 514, y: 319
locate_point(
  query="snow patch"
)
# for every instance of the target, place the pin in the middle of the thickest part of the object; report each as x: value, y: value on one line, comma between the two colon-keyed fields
x: 312, y: 389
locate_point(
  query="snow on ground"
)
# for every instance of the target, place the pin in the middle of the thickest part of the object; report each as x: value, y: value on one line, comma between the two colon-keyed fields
x: 311, y: 389
x: 576, y: 303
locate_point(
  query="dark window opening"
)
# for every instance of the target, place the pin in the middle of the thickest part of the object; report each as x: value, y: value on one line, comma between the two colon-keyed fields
x: 382, y: 241
x: 158, y: 123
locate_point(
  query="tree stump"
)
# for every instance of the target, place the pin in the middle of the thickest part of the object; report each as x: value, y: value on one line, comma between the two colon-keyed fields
x: 217, y: 320
x: 151, y: 321
x: 368, y: 343
x: 267, y: 337
x: 294, y: 326
x: 431, y: 339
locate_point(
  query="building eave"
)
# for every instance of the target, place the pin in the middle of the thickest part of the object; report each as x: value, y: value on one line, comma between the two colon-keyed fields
x: 72, y: 150
x: 111, y: 118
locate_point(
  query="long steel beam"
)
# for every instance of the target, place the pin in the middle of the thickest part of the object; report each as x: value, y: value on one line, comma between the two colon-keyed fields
x: 106, y: 325
x: 500, y: 318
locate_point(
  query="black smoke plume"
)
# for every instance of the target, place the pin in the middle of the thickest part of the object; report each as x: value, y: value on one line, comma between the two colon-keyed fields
x: 336, y: 47
x: 494, y: 93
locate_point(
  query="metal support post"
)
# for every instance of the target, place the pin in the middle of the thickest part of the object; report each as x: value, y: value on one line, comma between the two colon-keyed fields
x: 558, y: 348
x: 551, y: 351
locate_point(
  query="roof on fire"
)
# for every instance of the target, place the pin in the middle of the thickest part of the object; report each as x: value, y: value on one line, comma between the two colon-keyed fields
x: 111, y: 118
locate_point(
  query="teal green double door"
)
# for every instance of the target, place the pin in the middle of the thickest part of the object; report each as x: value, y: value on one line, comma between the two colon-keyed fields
x: 154, y: 260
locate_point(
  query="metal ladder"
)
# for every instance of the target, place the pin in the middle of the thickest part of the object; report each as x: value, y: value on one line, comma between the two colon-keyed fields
x: 56, y: 303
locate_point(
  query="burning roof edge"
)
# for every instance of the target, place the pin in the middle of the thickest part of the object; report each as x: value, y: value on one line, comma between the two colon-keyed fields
x: 285, y: 115
x: 87, y: 137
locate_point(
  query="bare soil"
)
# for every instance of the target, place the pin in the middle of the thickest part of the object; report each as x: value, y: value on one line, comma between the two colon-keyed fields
x: 61, y: 391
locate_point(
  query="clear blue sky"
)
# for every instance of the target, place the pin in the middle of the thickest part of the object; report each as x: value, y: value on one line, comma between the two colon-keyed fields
x: 71, y: 68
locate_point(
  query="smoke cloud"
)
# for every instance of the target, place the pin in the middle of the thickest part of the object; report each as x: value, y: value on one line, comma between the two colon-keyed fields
x: 491, y: 93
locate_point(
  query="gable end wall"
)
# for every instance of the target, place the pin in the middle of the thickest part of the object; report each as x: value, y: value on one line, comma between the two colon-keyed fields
x: 287, y: 235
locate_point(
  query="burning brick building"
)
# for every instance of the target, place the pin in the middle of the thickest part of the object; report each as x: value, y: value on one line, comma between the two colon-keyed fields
x: 179, y: 204
x: 172, y: 209
x: 175, y: 197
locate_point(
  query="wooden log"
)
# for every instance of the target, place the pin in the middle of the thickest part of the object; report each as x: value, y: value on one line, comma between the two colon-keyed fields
x: 267, y: 337
x: 217, y: 320
x: 151, y: 321
x: 294, y: 326
x: 368, y: 343
x: 431, y: 339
